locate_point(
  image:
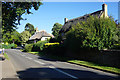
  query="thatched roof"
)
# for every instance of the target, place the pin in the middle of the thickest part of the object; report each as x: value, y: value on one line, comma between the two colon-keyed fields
x: 74, y: 21
x: 40, y: 34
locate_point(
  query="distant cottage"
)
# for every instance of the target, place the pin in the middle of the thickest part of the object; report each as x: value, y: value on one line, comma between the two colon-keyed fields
x: 40, y: 35
x: 68, y: 23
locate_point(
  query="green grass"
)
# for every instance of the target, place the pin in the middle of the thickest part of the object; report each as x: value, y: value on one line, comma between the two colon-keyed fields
x: 6, y: 56
x: 48, y: 55
x: 36, y: 53
x: 90, y: 64
x: 86, y: 63
x: 22, y: 50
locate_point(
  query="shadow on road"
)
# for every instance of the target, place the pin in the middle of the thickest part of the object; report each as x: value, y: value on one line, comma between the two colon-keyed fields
x: 52, y: 74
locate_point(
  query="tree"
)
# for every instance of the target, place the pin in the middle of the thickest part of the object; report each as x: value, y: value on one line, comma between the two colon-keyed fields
x: 25, y: 35
x: 9, y: 37
x: 56, y: 28
x: 119, y: 33
x: 12, y: 13
x: 29, y: 27
x: 95, y: 32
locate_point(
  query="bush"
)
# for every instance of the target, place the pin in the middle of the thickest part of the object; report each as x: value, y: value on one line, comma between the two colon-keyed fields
x: 8, y: 46
x: 39, y: 46
x: 54, y: 49
x: 15, y: 45
x: 95, y: 32
x: 48, y: 44
x: 58, y: 39
x: 12, y: 46
x: 116, y: 46
x: 28, y: 47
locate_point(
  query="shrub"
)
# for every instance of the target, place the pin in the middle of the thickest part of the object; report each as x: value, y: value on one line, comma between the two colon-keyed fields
x: 48, y: 44
x: 58, y: 39
x: 93, y: 33
x: 28, y: 47
x: 15, y: 45
x: 12, y: 45
x: 54, y: 49
x: 116, y: 46
x: 8, y: 46
x: 5, y: 46
x: 39, y: 46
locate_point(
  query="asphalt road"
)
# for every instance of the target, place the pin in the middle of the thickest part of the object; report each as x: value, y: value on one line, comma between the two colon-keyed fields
x: 32, y: 66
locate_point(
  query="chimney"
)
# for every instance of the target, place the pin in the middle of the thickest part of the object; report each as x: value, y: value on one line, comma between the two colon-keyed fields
x: 66, y: 19
x: 36, y: 29
x: 104, y: 8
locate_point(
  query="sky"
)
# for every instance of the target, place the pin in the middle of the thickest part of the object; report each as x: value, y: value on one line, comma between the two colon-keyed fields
x: 54, y: 12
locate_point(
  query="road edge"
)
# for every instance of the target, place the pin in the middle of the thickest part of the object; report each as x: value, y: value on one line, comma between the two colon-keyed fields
x: 11, y: 67
x: 95, y: 68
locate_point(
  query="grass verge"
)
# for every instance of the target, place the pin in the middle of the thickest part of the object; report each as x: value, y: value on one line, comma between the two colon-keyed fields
x: 90, y: 64
x: 6, y: 56
x: 84, y: 63
x: 35, y: 53
x: 22, y: 50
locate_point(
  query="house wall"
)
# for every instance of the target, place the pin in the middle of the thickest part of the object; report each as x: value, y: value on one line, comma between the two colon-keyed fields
x: 44, y: 38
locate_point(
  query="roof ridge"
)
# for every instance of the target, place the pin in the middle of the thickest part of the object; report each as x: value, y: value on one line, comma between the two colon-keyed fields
x: 83, y: 16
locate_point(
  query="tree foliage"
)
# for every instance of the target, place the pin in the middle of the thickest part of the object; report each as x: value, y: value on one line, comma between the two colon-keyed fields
x: 29, y: 27
x: 10, y: 36
x: 56, y: 28
x: 93, y: 33
x: 12, y: 13
x: 118, y: 26
x: 25, y: 35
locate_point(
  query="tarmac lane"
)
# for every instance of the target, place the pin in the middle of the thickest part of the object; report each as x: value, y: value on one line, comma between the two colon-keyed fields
x: 29, y: 66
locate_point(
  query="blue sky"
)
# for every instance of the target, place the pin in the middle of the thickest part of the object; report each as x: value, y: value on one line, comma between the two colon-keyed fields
x: 51, y: 12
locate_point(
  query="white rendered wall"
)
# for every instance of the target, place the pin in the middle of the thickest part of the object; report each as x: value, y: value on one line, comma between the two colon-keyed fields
x: 44, y: 38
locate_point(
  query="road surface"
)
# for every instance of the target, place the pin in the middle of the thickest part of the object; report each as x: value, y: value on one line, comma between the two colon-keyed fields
x: 32, y: 66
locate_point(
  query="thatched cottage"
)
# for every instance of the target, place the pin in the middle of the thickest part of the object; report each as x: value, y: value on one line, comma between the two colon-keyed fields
x: 40, y: 35
x: 68, y: 23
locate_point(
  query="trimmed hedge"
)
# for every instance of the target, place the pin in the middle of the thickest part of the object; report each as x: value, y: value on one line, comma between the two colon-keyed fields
x: 36, y: 47
x: 54, y: 49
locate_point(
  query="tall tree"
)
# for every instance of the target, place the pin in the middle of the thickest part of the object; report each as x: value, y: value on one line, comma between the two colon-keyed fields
x: 29, y: 27
x: 56, y: 28
x: 12, y: 13
x: 25, y: 35
x: 9, y: 37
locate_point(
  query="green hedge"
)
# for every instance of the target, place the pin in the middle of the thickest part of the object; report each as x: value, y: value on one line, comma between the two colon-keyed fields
x: 28, y: 47
x: 116, y: 46
x: 8, y: 46
x: 15, y: 46
x: 38, y: 46
x: 95, y: 32
x: 55, y: 49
